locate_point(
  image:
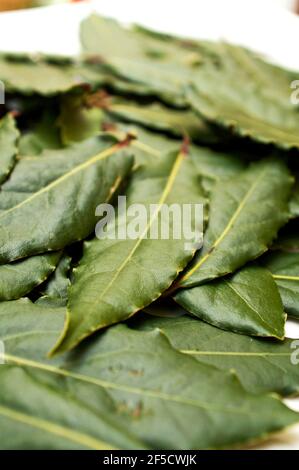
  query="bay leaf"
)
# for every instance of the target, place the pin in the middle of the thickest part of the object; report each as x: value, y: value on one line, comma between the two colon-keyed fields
x: 157, y: 117
x: 246, y: 212
x: 284, y: 268
x: 258, y: 106
x: 78, y: 122
x: 42, y: 135
x: 9, y: 135
x: 247, y: 302
x: 21, y: 277
x: 294, y: 202
x: 214, y: 165
x: 262, y: 366
x: 56, y: 287
x: 115, y: 392
x: 107, y: 286
x: 66, y: 185
x: 29, y: 76
x: 159, y: 66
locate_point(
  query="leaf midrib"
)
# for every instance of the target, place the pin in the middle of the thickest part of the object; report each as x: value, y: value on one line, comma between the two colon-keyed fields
x: 226, y: 230
x: 269, y: 325
x: 233, y: 353
x: 100, y: 156
x: 170, y: 181
x: 125, y: 388
x: 282, y: 277
x: 55, y: 429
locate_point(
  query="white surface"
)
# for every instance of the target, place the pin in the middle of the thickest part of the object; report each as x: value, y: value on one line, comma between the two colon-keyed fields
x: 262, y: 25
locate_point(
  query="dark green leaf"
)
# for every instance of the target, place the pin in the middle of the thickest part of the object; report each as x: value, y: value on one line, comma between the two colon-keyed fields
x: 125, y: 389
x: 59, y: 192
x: 247, y: 97
x: 118, y: 277
x: 21, y: 277
x: 285, y: 270
x: 161, y: 67
x: 8, y: 146
x: 78, y: 122
x: 247, y: 302
x: 56, y: 287
x: 262, y: 366
x: 43, y: 135
x: 213, y: 165
x: 157, y: 117
x: 246, y: 212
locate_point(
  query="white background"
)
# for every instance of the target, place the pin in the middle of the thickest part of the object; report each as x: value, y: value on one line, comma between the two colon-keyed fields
x: 264, y: 25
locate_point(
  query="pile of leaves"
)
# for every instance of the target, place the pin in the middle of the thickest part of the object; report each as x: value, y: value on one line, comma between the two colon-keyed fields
x: 128, y: 344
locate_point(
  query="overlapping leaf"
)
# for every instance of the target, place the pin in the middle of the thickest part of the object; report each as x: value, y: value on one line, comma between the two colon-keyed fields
x: 258, y: 104
x: 285, y: 270
x: 56, y: 287
x: 157, y: 117
x: 246, y: 212
x: 68, y: 186
x: 21, y: 277
x: 8, y: 146
x: 161, y: 67
x: 262, y: 366
x: 116, y: 391
x: 108, y: 286
x: 247, y: 302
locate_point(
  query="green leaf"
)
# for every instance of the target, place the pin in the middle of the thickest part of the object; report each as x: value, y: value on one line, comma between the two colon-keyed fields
x: 56, y: 287
x: 77, y: 121
x: 161, y: 67
x: 125, y: 389
x: 68, y: 184
x: 8, y: 146
x: 246, y: 212
x: 28, y: 77
x: 108, y: 286
x: 285, y: 270
x: 258, y: 105
x: 157, y: 117
x: 262, y: 366
x: 41, y: 136
x: 21, y: 277
x: 147, y: 146
x: 247, y: 302
x: 294, y: 202
x: 213, y: 165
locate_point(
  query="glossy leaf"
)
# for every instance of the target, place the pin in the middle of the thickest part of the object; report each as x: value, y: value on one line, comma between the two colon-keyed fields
x: 119, y: 392
x: 247, y: 302
x: 8, y: 146
x: 285, y: 270
x: 21, y: 277
x: 246, y: 212
x: 107, y: 285
x: 69, y: 185
x: 262, y: 366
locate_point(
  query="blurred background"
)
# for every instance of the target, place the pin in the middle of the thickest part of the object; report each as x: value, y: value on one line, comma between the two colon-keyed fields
x: 6, y: 5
